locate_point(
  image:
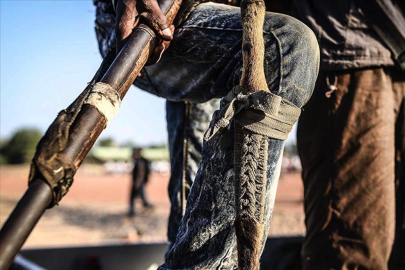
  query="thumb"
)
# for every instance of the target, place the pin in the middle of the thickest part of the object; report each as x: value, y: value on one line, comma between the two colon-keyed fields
x: 157, y: 20
x: 126, y: 21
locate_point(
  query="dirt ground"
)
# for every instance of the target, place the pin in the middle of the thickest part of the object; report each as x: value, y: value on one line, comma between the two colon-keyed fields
x: 94, y: 211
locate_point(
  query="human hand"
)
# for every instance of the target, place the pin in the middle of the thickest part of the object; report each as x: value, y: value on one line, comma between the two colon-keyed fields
x: 128, y: 13
x: 228, y: 2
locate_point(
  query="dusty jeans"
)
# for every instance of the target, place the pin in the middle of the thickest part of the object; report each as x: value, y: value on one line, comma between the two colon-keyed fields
x: 186, y: 125
x: 352, y: 148
x: 204, y: 61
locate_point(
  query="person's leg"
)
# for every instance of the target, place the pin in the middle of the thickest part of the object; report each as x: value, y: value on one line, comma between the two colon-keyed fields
x: 205, y: 61
x: 186, y: 125
x: 206, y: 237
x: 132, y: 197
x: 105, y: 26
x: 141, y: 193
x: 346, y: 146
x: 397, y: 260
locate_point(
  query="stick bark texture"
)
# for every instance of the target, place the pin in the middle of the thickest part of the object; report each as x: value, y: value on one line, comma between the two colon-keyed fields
x: 250, y: 149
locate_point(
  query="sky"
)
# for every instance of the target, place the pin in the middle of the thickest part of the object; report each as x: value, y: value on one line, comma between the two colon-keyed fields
x: 48, y: 53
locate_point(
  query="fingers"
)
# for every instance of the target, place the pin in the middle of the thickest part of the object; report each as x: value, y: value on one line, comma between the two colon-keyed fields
x: 126, y: 20
x: 228, y: 2
x: 160, y: 48
x: 128, y: 13
x: 156, y: 19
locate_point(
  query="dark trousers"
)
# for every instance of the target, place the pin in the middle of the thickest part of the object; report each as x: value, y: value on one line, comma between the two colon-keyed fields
x: 137, y: 192
x: 352, y: 147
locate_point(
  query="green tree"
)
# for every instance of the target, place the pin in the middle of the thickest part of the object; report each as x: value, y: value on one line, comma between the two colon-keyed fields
x: 128, y: 144
x: 107, y: 142
x: 3, y: 159
x: 21, y: 147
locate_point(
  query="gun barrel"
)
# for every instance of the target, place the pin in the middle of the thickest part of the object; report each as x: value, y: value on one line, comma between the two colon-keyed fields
x: 84, y: 132
x: 22, y: 220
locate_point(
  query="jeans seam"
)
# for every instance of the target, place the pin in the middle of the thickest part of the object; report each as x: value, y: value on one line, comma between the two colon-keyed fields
x: 280, y: 51
x: 211, y: 28
x: 186, y: 144
x: 219, y: 29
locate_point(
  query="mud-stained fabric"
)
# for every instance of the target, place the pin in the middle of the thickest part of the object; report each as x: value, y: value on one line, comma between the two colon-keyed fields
x: 261, y: 113
x: 352, y: 151
x: 49, y: 162
x: 206, y: 237
x: 204, y: 61
x: 105, y: 26
x: 186, y: 124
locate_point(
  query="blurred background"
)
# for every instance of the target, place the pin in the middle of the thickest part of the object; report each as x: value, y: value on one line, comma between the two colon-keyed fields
x: 48, y: 54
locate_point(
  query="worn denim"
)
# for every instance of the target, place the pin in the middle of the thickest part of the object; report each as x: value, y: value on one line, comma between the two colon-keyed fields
x: 204, y: 61
x: 186, y: 125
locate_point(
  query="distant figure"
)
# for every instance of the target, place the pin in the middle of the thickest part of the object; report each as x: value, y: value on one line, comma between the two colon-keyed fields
x: 140, y: 175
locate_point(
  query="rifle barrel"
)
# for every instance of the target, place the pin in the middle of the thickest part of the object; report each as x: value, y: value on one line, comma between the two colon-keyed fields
x: 22, y: 220
x: 84, y: 132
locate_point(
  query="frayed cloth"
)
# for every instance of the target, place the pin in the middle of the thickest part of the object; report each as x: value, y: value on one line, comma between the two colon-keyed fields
x: 105, y: 99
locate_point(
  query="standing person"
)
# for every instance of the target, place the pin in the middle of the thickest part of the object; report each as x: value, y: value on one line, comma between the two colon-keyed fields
x: 203, y: 62
x: 351, y: 136
x: 140, y: 176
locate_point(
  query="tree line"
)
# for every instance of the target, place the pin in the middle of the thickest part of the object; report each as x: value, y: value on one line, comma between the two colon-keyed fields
x: 20, y: 147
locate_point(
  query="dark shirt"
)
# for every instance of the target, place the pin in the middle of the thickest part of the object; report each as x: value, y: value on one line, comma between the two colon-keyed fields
x: 345, y: 37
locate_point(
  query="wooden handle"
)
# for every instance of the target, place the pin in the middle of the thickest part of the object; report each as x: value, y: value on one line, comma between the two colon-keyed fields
x: 253, y: 78
x: 84, y: 132
x: 248, y: 224
x: 121, y: 75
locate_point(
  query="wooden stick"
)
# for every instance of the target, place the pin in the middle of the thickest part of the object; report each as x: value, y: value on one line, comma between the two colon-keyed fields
x: 253, y: 78
x: 250, y: 184
x: 84, y: 132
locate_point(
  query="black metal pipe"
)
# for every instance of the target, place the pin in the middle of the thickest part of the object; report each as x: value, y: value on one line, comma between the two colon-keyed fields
x: 22, y: 220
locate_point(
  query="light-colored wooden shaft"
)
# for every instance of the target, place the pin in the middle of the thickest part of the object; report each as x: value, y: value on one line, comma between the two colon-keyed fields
x: 253, y: 78
x: 249, y: 229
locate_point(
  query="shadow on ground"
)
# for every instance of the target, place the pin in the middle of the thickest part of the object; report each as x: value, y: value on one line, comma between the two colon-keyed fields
x: 114, y: 225
x: 281, y: 253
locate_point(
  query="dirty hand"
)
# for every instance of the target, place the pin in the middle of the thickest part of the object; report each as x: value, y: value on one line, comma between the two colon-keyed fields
x: 128, y: 14
x: 228, y: 2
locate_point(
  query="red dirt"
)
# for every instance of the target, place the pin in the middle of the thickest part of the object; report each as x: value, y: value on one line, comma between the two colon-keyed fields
x: 94, y: 210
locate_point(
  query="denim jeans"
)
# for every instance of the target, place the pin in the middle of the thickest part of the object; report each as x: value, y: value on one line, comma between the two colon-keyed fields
x: 204, y: 61
x: 186, y: 125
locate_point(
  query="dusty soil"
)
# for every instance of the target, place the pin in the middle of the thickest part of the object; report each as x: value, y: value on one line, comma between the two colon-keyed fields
x: 95, y: 209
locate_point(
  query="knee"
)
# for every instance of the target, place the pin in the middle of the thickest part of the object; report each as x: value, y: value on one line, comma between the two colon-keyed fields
x: 298, y: 35
x: 298, y: 56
